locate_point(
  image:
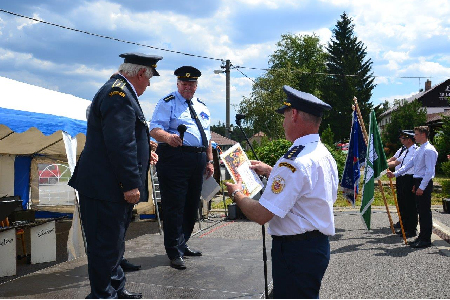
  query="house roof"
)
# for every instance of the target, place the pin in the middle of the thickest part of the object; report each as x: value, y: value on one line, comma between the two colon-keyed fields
x: 413, y: 97
x: 431, y: 118
x: 259, y: 134
x: 221, y: 140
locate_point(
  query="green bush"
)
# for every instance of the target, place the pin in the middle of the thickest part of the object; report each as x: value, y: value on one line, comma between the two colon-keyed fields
x: 445, y: 167
x: 445, y: 188
x: 273, y: 150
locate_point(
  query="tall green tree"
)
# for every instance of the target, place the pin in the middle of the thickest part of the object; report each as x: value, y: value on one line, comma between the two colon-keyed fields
x: 295, y: 62
x: 406, y: 115
x: 350, y: 75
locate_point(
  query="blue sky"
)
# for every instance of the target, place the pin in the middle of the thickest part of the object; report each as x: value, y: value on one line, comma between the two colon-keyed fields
x: 403, y: 39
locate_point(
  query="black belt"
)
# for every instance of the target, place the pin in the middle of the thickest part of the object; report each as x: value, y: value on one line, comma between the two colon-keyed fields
x: 298, y: 237
x: 184, y: 148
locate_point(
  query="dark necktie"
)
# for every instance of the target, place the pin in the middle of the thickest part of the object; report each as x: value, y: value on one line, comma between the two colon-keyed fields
x: 199, y: 125
x: 403, y: 160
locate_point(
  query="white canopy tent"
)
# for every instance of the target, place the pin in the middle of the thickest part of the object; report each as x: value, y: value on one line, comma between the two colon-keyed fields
x: 36, y: 122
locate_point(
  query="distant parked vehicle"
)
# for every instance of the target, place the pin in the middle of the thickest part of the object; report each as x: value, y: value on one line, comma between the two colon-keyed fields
x: 49, y: 173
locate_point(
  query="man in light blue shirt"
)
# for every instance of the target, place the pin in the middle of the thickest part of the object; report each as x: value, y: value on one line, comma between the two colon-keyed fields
x: 424, y: 163
x: 180, y: 124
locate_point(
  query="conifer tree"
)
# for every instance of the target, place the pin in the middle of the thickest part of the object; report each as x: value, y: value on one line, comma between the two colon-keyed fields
x: 350, y: 75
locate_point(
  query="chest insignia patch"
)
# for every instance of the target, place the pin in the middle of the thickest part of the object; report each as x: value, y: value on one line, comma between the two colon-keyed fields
x: 294, y: 152
x: 204, y: 116
x: 278, y: 185
x: 287, y: 165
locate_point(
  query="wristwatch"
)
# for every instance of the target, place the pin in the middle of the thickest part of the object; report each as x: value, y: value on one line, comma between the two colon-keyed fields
x: 233, y: 194
x: 211, y: 161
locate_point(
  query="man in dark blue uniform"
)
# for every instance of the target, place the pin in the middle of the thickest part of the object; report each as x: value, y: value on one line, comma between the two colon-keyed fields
x: 183, y: 160
x: 111, y: 173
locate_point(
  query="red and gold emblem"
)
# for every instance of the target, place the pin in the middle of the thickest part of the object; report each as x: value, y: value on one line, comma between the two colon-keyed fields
x: 278, y: 185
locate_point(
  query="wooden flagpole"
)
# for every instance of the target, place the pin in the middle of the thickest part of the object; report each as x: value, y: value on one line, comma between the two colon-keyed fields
x: 398, y: 211
x: 363, y: 127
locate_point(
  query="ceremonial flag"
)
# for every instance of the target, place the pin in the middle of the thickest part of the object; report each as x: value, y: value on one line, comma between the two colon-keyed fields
x: 355, y: 159
x: 376, y: 166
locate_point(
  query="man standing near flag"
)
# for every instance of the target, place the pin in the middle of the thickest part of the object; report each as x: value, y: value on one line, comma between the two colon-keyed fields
x: 405, y: 184
x: 299, y: 203
x: 424, y: 163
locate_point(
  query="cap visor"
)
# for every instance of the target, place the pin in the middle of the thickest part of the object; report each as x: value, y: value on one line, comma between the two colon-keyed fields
x: 155, y: 73
x: 282, y: 109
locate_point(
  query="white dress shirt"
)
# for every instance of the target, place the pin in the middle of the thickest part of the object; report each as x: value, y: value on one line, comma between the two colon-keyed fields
x: 302, y: 189
x: 424, y: 163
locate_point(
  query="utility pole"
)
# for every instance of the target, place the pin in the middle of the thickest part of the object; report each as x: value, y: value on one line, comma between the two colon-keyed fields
x: 227, y: 98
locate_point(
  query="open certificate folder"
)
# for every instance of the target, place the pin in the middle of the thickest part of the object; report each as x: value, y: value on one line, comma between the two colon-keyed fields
x: 238, y: 165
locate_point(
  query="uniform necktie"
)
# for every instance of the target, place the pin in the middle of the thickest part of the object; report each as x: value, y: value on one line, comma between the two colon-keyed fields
x: 403, y: 160
x: 199, y: 125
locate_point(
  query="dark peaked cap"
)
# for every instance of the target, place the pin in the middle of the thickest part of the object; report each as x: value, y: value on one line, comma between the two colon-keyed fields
x: 142, y: 59
x: 408, y: 133
x: 187, y: 73
x: 303, y: 101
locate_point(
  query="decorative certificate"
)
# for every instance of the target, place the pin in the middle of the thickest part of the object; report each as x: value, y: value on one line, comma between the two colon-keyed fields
x: 238, y: 165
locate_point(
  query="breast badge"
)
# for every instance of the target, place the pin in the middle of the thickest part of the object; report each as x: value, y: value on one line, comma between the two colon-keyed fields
x: 278, y: 185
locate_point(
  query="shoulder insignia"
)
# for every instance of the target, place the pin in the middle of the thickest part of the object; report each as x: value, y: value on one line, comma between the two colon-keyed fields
x: 168, y: 98
x: 201, y: 102
x: 294, y: 152
x: 287, y: 165
x: 119, y: 83
x: 121, y: 94
x: 278, y: 185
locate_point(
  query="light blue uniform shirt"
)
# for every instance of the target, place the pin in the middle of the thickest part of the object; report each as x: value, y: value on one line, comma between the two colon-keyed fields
x: 172, y: 111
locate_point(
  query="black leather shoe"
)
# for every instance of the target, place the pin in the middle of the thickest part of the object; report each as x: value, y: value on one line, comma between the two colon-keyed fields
x: 190, y: 252
x: 177, y: 263
x: 410, y: 234
x: 129, y: 267
x: 421, y: 244
x: 124, y: 294
x: 414, y: 242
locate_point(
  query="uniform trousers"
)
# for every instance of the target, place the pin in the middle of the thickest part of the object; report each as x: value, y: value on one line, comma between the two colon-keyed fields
x: 298, y: 267
x: 180, y: 176
x: 104, y: 224
x: 424, y: 208
x: 407, y: 202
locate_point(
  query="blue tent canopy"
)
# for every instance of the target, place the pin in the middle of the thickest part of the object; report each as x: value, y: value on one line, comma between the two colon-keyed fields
x: 20, y: 121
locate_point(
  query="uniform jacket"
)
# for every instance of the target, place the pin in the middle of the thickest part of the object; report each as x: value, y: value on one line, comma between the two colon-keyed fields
x: 116, y: 156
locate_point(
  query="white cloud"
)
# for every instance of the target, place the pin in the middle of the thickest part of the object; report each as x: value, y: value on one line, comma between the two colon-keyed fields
x: 27, y: 22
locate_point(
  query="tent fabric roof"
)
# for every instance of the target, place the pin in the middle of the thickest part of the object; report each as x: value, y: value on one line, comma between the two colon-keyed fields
x: 20, y: 121
x: 26, y: 97
x: 32, y: 120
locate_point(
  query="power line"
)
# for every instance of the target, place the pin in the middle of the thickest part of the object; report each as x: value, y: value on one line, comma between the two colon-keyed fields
x: 184, y: 53
x: 107, y: 37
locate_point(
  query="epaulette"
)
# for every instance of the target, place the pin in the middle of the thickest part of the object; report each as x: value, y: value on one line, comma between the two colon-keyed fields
x: 294, y: 152
x: 168, y: 98
x: 119, y: 83
x: 201, y: 102
x: 117, y: 88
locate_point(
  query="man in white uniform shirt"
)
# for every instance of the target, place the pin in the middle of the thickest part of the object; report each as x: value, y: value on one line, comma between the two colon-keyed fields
x: 405, y: 184
x: 424, y: 163
x: 394, y: 162
x: 298, y: 201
